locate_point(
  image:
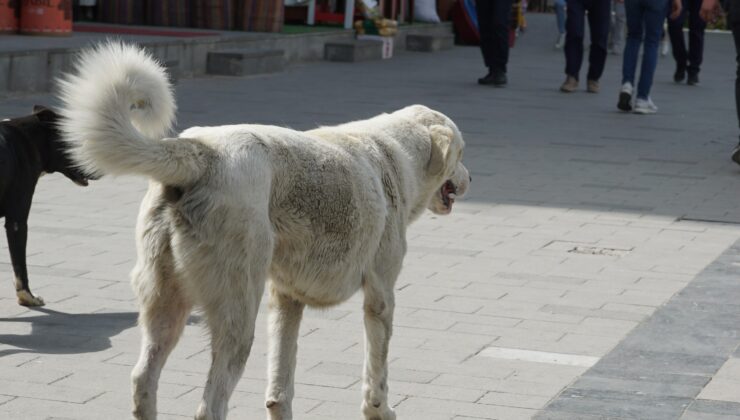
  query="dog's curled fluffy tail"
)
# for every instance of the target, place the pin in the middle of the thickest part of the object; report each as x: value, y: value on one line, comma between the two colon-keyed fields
x: 118, y: 107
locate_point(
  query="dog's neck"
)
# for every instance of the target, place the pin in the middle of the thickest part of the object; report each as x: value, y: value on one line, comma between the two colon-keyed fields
x: 418, y: 190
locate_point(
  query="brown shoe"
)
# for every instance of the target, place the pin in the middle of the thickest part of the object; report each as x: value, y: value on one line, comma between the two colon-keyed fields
x: 592, y: 86
x: 570, y: 85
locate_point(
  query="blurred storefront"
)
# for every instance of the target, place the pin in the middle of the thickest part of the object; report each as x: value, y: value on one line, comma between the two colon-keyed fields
x: 237, y: 15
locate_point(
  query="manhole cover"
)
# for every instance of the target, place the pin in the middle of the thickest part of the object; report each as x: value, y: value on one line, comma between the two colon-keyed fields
x: 585, y: 249
x: 593, y: 250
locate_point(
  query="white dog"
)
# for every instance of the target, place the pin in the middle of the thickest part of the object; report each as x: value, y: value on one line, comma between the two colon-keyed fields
x: 321, y: 213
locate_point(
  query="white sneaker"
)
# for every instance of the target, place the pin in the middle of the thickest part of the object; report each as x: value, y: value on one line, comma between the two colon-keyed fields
x: 645, y: 106
x: 625, y: 97
x: 560, y: 42
x: 664, y: 46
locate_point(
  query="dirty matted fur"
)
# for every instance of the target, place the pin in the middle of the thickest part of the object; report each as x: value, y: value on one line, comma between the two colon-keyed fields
x: 321, y: 213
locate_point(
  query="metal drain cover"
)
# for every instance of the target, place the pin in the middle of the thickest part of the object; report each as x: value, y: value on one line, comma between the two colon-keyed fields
x: 586, y: 249
x: 593, y: 250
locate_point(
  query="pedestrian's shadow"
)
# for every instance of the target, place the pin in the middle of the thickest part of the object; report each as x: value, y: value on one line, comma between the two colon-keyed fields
x: 54, y: 332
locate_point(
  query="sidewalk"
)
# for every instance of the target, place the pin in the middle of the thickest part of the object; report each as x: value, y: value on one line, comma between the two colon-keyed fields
x: 591, y: 274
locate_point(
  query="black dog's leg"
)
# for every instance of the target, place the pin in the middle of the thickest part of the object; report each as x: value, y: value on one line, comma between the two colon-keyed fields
x: 16, y: 230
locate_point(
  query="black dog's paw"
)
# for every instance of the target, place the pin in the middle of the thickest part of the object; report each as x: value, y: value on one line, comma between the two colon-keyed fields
x: 25, y: 298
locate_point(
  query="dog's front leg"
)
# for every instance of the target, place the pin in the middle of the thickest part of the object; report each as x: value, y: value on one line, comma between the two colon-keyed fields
x: 16, y: 230
x: 379, y: 304
x: 283, y: 325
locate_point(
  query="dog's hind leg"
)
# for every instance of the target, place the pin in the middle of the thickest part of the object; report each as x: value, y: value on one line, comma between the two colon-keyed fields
x: 283, y: 325
x: 230, y: 302
x: 231, y: 323
x: 378, y: 305
x: 164, y: 310
x: 163, y: 305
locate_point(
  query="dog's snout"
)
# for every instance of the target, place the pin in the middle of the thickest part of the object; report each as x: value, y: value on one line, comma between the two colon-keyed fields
x: 470, y: 178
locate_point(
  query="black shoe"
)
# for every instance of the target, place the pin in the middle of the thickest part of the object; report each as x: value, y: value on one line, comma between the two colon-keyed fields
x: 736, y: 154
x: 679, y: 75
x: 693, y: 80
x: 493, y: 78
x: 625, y: 101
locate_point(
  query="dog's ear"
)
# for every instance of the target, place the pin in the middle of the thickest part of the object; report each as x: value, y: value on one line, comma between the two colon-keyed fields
x: 44, y: 114
x: 441, y: 137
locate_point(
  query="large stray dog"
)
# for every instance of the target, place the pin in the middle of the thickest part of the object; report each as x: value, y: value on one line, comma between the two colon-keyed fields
x: 30, y: 146
x: 321, y: 213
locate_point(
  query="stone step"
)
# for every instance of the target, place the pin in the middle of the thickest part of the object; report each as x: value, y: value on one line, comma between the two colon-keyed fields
x: 353, y: 51
x: 429, y: 43
x: 245, y: 62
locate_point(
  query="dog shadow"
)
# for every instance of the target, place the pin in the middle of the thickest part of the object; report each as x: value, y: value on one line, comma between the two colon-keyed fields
x: 54, y: 332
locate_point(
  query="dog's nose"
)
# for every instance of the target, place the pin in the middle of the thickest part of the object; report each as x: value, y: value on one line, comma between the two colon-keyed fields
x: 470, y: 178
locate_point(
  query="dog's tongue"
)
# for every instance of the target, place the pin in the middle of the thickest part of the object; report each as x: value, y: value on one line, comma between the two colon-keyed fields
x: 448, y: 192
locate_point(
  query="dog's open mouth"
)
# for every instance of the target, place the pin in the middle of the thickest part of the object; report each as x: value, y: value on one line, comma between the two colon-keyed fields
x: 448, y: 193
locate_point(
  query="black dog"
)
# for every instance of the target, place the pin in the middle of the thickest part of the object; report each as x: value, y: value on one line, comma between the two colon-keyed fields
x: 29, y: 147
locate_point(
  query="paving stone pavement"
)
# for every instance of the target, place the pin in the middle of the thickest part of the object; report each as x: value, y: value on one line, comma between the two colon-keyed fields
x: 587, y: 233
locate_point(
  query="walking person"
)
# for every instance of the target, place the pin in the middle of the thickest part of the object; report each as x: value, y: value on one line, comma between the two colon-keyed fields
x: 665, y: 43
x: 494, y: 21
x: 599, y: 12
x: 616, y: 29
x: 687, y: 62
x: 644, y: 19
x: 709, y: 11
x: 560, y: 20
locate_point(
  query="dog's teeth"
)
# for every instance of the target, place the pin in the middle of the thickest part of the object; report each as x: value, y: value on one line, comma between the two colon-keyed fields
x: 452, y: 195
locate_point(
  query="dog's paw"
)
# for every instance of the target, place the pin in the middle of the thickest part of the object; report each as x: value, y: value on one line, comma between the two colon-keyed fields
x: 25, y: 298
x: 378, y: 412
x: 278, y: 410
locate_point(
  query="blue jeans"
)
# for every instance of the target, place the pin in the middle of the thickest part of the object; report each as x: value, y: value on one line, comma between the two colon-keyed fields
x: 644, y: 24
x: 560, y: 15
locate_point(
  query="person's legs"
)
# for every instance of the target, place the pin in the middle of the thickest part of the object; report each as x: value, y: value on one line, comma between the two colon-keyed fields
x: 574, y: 37
x: 598, y: 23
x: 633, y: 12
x: 560, y: 15
x: 616, y: 32
x: 678, y: 45
x: 735, y: 26
x: 560, y: 19
x: 696, y: 38
x: 664, y: 40
x: 653, y: 15
x: 484, y: 9
x: 500, y: 46
x: 734, y: 23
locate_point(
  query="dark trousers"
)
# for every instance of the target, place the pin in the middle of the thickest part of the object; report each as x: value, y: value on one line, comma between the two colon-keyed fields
x: 733, y: 20
x: 688, y: 60
x: 599, y: 13
x: 494, y: 18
